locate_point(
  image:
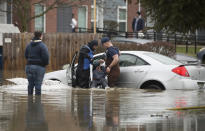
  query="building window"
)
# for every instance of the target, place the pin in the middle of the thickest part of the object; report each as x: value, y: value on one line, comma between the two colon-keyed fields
x: 3, y: 14
x: 122, y: 19
x: 92, y: 16
x: 39, y: 21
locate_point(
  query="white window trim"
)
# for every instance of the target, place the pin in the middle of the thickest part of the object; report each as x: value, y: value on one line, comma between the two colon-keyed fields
x: 118, y: 16
x: 92, y: 20
x: 44, y: 17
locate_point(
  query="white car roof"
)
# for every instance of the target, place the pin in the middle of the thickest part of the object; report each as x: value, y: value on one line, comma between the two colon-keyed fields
x: 131, y: 52
x: 142, y: 55
x: 136, y: 52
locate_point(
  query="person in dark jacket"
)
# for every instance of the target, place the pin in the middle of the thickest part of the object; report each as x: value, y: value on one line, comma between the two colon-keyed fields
x: 112, y: 61
x: 37, y: 57
x: 201, y: 55
x: 137, y: 23
x: 99, y: 75
x: 84, y: 61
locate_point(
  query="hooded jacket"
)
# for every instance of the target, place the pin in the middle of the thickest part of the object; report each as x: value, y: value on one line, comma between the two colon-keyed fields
x: 86, y: 55
x: 36, y: 53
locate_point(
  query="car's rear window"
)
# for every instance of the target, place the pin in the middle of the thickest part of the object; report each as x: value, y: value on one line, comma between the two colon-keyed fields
x: 163, y: 59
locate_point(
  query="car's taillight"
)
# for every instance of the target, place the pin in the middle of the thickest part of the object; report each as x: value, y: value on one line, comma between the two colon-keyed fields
x: 181, y: 70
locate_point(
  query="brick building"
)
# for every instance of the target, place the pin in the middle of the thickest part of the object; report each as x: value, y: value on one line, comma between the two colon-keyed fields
x: 118, y: 14
x: 115, y: 14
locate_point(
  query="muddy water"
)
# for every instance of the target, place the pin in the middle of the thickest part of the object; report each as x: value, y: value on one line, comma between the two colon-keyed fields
x: 101, y: 110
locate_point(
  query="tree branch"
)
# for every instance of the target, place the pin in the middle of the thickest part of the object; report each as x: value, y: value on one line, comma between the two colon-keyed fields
x: 44, y: 12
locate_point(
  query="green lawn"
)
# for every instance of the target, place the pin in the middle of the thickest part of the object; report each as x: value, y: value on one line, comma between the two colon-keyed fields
x: 191, y: 49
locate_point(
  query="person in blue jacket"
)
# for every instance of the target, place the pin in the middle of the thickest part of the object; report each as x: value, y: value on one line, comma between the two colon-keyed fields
x: 37, y: 57
x: 84, y: 61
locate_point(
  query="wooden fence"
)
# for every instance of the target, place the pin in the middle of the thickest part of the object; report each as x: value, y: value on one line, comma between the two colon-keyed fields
x: 61, y: 47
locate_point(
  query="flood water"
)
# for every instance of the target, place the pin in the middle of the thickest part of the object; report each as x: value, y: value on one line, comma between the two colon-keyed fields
x: 114, y: 109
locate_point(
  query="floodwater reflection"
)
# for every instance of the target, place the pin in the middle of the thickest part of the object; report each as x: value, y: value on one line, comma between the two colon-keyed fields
x: 35, y: 119
x: 102, y: 110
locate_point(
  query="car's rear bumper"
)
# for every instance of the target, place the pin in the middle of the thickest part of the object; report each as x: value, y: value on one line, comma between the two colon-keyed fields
x: 184, y: 83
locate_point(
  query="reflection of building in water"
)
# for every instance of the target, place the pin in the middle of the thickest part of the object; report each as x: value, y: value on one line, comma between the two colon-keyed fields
x: 112, y: 110
x: 98, y: 107
x: 35, y: 119
x: 88, y: 108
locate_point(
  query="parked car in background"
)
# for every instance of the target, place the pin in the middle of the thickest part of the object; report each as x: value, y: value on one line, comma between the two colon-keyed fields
x: 149, y: 70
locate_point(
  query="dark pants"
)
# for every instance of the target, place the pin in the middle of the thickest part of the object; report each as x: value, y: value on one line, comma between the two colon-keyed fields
x: 35, y: 76
x: 82, y: 78
x: 114, y: 74
x: 135, y: 34
x: 102, y: 82
x: 73, y: 30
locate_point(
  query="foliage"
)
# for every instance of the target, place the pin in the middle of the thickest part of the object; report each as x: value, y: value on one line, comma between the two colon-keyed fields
x: 176, y: 15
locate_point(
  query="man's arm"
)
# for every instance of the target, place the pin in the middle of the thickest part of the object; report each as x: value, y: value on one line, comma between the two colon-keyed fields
x: 45, y: 54
x: 114, y: 62
x: 26, y: 52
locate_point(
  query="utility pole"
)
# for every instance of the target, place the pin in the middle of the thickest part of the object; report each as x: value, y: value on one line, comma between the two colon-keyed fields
x: 94, y: 15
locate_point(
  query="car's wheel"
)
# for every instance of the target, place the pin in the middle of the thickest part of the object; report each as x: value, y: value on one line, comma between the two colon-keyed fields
x: 153, y: 85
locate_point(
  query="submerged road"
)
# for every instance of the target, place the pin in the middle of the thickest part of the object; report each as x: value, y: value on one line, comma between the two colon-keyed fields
x: 64, y: 108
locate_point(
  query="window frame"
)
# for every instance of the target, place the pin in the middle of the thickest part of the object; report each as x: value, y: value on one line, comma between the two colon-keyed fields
x: 118, y: 17
x: 44, y: 17
x: 86, y: 23
x: 137, y: 57
x: 4, y: 15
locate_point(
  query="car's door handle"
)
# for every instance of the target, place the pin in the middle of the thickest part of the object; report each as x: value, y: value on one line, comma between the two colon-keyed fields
x: 139, y: 71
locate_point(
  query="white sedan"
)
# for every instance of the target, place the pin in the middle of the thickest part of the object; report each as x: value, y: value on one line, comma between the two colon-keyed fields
x: 148, y: 70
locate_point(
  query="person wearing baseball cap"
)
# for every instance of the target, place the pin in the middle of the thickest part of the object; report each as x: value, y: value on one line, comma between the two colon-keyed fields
x: 112, y: 61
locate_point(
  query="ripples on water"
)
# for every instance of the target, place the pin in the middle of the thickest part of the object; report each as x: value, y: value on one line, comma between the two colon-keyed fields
x: 62, y: 108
